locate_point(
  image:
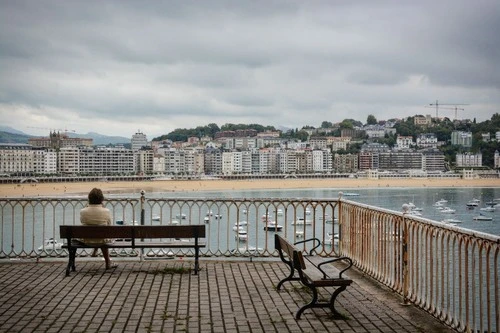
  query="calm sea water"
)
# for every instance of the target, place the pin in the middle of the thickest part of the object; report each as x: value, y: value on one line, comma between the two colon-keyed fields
x: 389, y: 198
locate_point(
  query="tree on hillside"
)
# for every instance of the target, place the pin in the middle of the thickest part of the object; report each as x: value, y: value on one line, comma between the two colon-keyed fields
x: 326, y: 124
x: 371, y: 120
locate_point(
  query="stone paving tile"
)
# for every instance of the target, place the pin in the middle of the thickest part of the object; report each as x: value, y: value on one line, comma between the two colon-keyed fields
x: 163, y: 296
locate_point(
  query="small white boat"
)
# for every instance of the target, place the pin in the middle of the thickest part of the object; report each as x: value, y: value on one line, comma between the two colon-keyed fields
x: 302, y: 221
x: 209, y: 213
x: 472, y: 204
x: 266, y: 217
x: 241, y: 235
x: 330, y: 220
x: 155, y: 218
x: 350, y: 194
x: 279, y: 212
x: 308, y: 212
x: 415, y: 213
x: 218, y: 216
x: 206, y: 219
x: 488, y: 209
x: 448, y: 210
x: 272, y: 226
x: 438, y: 204
x: 331, y: 239
x: 175, y: 222
x: 454, y: 221
x: 50, y: 244
x: 482, y: 217
x: 239, y: 225
x: 181, y: 216
x: 299, y: 233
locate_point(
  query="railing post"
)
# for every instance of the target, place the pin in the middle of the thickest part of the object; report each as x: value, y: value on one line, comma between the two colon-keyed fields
x: 143, y: 199
x: 404, y: 262
x: 340, y: 222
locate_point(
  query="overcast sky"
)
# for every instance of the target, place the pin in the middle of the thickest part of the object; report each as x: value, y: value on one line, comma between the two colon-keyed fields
x: 116, y: 67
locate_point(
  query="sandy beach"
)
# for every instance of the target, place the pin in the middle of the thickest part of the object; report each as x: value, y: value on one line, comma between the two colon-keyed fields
x: 82, y: 188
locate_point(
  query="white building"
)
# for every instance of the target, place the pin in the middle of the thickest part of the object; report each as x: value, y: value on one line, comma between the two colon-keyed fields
x: 404, y: 142
x: 138, y: 141
x: 16, y: 158
x: 461, y: 138
x: 44, y: 161
x: 69, y: 160
x: 469, y: 160
x: 105, y: 160
x: 427, y: 140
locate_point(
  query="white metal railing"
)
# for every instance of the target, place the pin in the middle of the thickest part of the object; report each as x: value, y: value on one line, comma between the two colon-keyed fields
x: 450, y: 272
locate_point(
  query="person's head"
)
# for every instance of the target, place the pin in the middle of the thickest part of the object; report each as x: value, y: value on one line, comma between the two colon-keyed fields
x: 95, y: 196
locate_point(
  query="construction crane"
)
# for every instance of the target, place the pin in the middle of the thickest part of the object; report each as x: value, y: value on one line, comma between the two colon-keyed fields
x: 456, y: 108
x: 53, y: 129
x: 437, y: 104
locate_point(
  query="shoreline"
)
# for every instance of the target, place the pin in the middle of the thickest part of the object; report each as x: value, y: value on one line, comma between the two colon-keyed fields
x: 82, y: 188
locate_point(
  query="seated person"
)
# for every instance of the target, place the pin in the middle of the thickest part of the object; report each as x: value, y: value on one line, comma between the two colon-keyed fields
x: 96, y: 214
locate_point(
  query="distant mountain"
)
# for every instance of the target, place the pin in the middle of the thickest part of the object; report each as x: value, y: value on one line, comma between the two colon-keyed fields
x: 100, y: 139
x: 11, y: 135
x: 11, y: 130
x: 7, y: 137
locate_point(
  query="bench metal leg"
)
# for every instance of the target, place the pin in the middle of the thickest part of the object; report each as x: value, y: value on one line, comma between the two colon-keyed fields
x: 315, y: 304
x: 71, y: 261
x: 196, y: 263
x: 337, y: 291
x: 290, y: 276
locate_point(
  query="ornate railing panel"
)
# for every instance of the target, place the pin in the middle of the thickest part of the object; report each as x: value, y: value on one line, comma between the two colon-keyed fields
x: 237, y: 227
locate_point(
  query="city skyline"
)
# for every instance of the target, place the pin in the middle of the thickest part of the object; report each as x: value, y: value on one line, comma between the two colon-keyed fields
x: 121, y: 66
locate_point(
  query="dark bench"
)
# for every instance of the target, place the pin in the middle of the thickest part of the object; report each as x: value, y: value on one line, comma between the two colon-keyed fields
x: 313, y: 272
x: 133, y: 236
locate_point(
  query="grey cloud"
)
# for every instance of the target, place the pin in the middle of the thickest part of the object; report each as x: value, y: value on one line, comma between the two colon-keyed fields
x: 258, y: 61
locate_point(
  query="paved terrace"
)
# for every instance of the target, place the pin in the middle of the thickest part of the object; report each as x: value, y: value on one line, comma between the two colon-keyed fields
x: 161, y: 296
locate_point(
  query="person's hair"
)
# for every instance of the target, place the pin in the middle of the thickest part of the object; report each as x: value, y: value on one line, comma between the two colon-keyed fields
x: 95, y: 196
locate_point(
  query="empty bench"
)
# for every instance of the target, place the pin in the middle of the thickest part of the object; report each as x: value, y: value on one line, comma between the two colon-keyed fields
x: 313, y: 272
x: 133, y: 236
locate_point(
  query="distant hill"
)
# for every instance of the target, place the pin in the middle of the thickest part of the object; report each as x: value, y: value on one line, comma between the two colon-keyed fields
x: 10, y: 135
x: 100, y: 139
x: 6, y: 137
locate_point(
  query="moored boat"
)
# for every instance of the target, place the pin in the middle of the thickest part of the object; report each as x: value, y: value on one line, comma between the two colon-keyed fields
x: 482, y: 217
x: 272, y: 226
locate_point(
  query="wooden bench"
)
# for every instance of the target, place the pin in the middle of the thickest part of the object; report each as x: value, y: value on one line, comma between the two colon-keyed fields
x: 133, y: 236
x: 313, y: 272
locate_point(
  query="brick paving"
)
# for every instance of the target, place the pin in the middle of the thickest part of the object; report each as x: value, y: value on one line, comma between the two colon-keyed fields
x: 163, y: 296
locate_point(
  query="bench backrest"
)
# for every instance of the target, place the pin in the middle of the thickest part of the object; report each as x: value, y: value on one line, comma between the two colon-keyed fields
x: 295, y: 255
x: 282, y: 244
x: 136, y: 231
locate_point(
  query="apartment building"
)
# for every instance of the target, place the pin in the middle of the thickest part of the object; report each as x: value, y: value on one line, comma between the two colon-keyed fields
x: 461, y: 138
x: 138, y: 141
x: 469, y: 160
x: 432, y: 160
x: 103, y: 160
x: 427, y: 140
x: 397, y: 160
x: 44, y: 161
x: 69, y: 161
x: 16, y: 158
x: 346, y: 163
x: 404, y: 142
